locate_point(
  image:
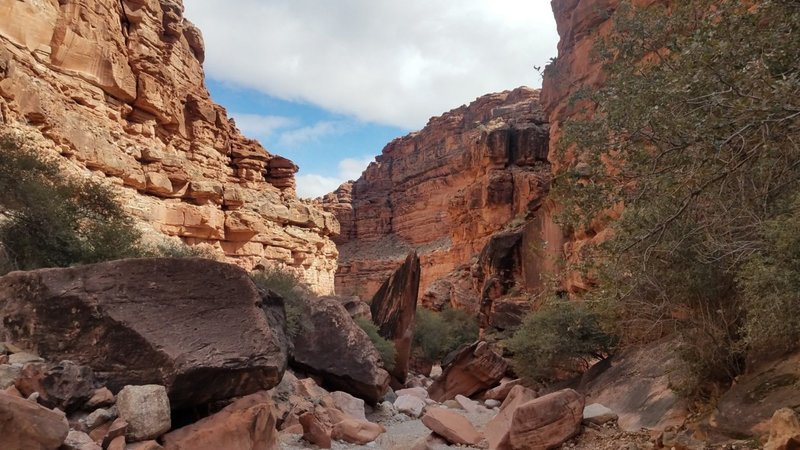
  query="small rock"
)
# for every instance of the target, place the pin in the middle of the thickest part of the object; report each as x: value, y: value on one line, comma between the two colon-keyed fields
x: 117, y: 443
x: 34, y: 397
x: 357, y: 431
x: 314, y: 431
x: 8, y: 375
x: 146, y: 409
x: 118, y: 428
x: 410, y: 405
x: 24, y: 358
x: 78, y: 440
x: 101, y: 397
x: 491, y: 403
x: 390, y: 396
x: 354, y: 407
x: 598, y: 414
x: 26, y: 425
x: 436, y: 372
x: 784, y: 430
x: 430, y: 401
x: 419, y: 392
x: 98, y: 417
x: 452, y: 426
x: 501, y: 392
x: 452, y: 404
x: 466, y: 404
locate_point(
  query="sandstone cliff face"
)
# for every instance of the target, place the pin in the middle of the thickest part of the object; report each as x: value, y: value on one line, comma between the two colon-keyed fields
x: 117, y: 89
x: 580, y: 24
x: 443, y: 191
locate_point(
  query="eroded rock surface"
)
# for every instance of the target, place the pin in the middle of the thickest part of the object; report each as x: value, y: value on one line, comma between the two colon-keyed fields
x: 149, y: 321
x: 116, y: 89
x: 394, y: 308
x: 339, y: 351
x: 475, y: 368
x: 443, y: 191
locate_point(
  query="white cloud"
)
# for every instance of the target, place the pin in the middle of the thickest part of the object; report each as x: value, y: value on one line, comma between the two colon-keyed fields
x: 351, y: 168
x: 312, y: 133
x: 314, y: 185
x: 392, y: 62
x: 255, y: 125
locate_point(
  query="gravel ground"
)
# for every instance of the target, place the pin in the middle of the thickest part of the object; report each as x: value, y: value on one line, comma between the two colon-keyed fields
x: 402, y: 432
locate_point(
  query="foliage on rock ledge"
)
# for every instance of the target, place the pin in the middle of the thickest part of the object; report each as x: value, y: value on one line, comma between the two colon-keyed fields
x: 438, y: 333
x: 697, y: 133
x: 52, y: 220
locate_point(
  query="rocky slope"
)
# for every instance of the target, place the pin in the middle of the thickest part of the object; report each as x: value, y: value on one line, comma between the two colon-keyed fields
x: 116, y: 88
x: 443, y: 191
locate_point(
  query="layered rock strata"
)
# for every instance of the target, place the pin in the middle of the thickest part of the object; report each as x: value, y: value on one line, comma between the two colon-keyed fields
x: 116, y: 90
x: 442, y: 191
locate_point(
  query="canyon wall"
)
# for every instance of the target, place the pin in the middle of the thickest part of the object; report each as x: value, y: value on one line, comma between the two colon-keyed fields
x: 116, y: 90
x: 445, y: 191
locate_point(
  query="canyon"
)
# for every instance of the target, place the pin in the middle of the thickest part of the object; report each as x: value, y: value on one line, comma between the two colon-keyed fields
x: 115, y: 90
x: 445, y: 191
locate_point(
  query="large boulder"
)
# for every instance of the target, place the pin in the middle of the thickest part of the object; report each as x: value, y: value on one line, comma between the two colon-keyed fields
x: 394, y: 308
x: 246, y: 424
x: 497, y: 429
x: 454, y: 427
x: 547, y: 422
x: 475, y: 368
x: 150, y: 321
x: 340, y: 352
x: 29, y: 426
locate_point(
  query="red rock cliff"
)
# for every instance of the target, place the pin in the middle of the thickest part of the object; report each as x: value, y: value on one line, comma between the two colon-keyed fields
x: 443, y: 191
x: 117, y: 89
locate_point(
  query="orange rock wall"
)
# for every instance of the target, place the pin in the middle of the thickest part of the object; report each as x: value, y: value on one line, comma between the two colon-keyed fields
x: 442, y: 191
x: 116, y: 88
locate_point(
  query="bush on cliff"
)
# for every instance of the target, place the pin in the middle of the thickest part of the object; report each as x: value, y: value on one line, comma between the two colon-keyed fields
x: 695, y: 132
x: 384, y: 346
x: 561, y: 338
x: 438, y: 333
x: 53, y: 220
x: 289, y: 286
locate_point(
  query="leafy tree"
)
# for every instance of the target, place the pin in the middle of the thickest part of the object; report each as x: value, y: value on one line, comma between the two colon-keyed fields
x: 438, y: 333
x: 384, y: 346
x: 289, y: 286
x: 696, y: 133
x: 52, y: 220
x: 562, y: 337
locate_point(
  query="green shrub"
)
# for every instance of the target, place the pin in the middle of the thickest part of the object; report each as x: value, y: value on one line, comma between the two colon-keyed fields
x: 384, y: 346
x: 294, y: 294
x: 438, y: 333
x: 695, y: 132
x: 53, y: 220
x: 561, y: 337
x: 171, y: 248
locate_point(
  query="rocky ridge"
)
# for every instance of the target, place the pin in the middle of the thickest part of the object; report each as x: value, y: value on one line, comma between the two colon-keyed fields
x: 116, y: 91
x: 443, y: 191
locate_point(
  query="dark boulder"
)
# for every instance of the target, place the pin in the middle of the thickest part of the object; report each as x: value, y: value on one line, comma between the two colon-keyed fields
x: 394, y: 308
x: 472, y: 369
x: 340, y: 352
x: 192, y: 325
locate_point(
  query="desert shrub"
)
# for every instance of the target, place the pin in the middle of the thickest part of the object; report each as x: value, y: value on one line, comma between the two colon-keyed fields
x: 289, y: 286
x: 694, y: 132
x: 770, y: 282
x: 171, y: 248
x: 53, y: 220
x: 560, y: 338
x: 384, y: 346
x: 438, y: 333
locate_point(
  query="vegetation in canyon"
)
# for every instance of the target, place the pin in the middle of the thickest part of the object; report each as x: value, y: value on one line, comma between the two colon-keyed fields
x: 438, y: 333
x: 694, y: 133
x: 54, y: 220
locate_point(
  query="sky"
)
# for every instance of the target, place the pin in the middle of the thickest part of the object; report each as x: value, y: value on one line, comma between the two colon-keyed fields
x: 329, y: 83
